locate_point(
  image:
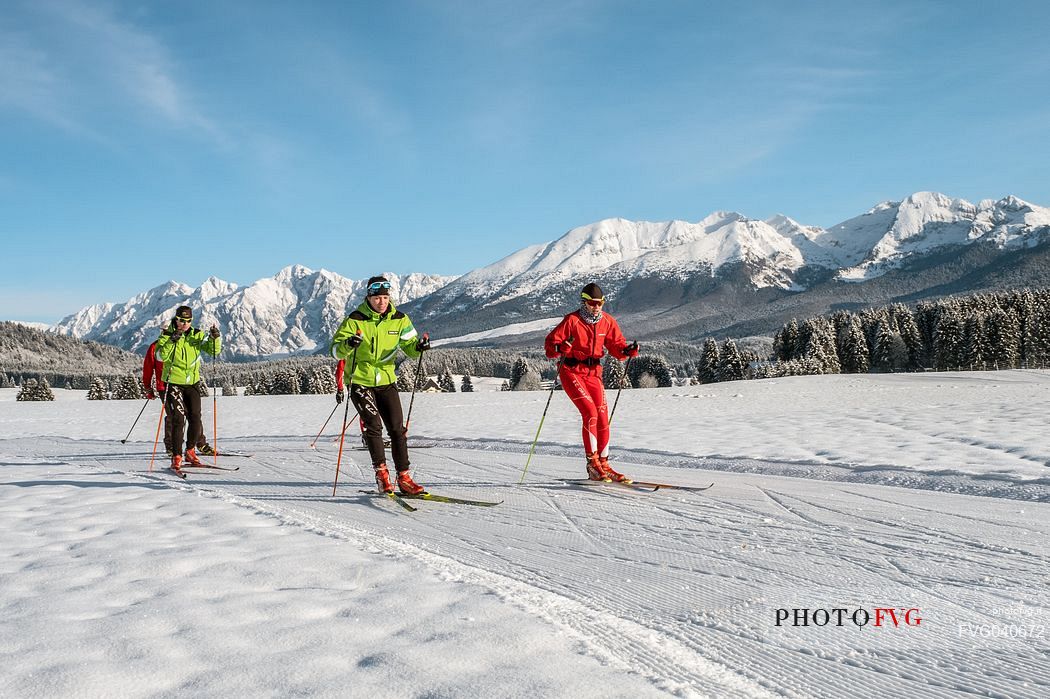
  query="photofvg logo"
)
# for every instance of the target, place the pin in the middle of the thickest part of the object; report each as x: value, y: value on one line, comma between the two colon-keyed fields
x: 878, y: 617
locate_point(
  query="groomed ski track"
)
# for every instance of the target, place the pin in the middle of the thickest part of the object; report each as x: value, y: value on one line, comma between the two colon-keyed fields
x: 680, y: 587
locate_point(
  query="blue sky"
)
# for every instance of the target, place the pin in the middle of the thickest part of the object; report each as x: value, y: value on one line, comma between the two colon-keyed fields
x: 148, y: 141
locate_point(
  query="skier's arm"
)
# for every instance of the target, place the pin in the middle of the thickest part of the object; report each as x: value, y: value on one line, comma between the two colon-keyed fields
x: 409, y: 339
x: 615, y: 341
x: 340, y: 350
x: 213, y: 345
x: 165, y: 346
x: 147, y: 370
x: 554, y: 345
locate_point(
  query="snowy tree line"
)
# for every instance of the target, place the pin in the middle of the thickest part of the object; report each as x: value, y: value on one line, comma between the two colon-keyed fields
x: 1002, y: 330
x: 997, y: 330
x: 62, y: 361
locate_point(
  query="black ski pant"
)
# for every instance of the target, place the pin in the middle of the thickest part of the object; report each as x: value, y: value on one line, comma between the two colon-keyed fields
x: 183, y: 404
x: 378, y: 406
x: 202, y: 441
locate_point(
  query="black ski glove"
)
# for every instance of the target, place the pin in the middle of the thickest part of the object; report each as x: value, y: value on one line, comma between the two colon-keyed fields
x: 563, y: 348
x: 631, y: 350
x: 354, y: 341
x: 339, y: 396
x: 214, y: 332
x: 423, y: 344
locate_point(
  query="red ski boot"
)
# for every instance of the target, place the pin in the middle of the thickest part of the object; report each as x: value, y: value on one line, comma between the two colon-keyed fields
x: 383, y: 479
x: 191, y: 458
x: 618, y: 477
x: 406, y: 485
x: 595, y: 470
x: 176, y: 465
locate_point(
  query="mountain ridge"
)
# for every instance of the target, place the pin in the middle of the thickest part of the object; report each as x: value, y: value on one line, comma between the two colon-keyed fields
x: 726, y: 273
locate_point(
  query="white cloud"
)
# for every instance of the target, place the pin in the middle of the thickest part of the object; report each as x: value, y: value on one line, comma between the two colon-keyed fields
x: 72, y: 64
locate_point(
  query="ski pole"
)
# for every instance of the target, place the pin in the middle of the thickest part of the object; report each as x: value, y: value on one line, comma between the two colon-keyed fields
x: 419, y: 368
x: 214, y: 411
x: 626, y: 377
x: 542, y: 418
x: 125, y: 440
x: 334, y: 408
x: 346, y: 414
x: 156, y: 439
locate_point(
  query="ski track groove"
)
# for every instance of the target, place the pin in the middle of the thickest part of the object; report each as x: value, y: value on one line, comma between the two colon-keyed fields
x: 695, y: 654
x: 619, y: 641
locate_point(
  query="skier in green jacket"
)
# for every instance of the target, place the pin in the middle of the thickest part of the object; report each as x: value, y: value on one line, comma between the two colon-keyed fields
x: 179, y: 347
x: 369, y: 339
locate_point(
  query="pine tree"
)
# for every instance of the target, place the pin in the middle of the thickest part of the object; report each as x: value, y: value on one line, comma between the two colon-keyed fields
x: 819, y: 337
x: 948, y: 339
x: 908, y: 329
x: 529, y: 381
x: 786, y: 341
x: 228, y: 389
x: 613, y: 374
x: 655, y: 365
x: 1039, y: 337
x: 98, y: 389
x: 647, y: 380
x: 975, y: 351
x: 730, y: 365
x: 521, y: 367
x: 445, y: 381
x: 891, y: 354
x: 1003, y: 338
x: 466, y: 385
x: 33, y: 390
x: 406, y: 375
x: 128, y: 388
x: 854, y: 351
x: 707, y: 367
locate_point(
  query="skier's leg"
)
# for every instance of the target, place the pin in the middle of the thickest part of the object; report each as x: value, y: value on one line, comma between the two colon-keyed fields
x: 364, y: 400
x: 176, y: 411
x: 389, y: 402
x: 576, y: 391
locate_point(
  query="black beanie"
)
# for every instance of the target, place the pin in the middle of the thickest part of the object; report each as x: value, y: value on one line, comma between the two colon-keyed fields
x: 184, y: 311
x: 593, y: 291
x: 380, y: 292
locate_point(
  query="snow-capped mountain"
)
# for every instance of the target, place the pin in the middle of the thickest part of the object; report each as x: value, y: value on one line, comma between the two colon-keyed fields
x: 726, y: 275
x: 892, y: 232
x: 681, y: 278
x: 297, y: 310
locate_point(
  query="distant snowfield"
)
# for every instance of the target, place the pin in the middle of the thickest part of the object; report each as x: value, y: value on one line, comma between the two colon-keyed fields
x: 502, y: 331
x: 118, y: 581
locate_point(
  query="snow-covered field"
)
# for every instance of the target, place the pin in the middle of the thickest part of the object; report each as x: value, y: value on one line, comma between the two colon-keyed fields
x: 924, y: 494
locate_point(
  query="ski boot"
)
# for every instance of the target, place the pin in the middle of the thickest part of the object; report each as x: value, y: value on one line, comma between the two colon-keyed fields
x: 614, y: 475
x: 191, y: 458
x: 596, y: 471
x: 176, y: 465
x: 406, y: 485
x: 206, y: 450
x: 383, y: 479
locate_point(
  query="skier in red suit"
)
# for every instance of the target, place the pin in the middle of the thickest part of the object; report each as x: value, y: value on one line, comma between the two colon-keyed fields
x: 580, y: 340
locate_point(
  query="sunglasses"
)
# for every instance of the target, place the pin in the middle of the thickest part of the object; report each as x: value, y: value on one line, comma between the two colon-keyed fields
x: 594, y: 303
x: 179, y: 319
x: 376, y: 287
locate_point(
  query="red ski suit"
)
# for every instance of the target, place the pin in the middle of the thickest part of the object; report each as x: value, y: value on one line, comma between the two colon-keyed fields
x: 580, y: 371
x: 152, y: 368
